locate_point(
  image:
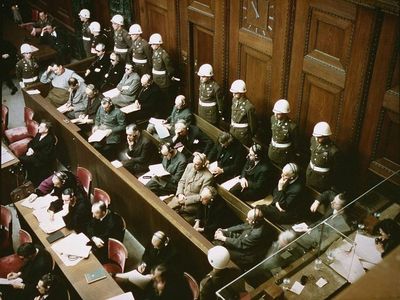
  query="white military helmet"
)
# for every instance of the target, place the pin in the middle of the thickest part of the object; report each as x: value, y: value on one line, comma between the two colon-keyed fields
x: 95, y: 27
x: 218, y: 257
x: 206, y: 70
x: 238, y: 86
x: 322, y: 129
x: 135, y: 29
x: 281, y: 106
x: 155, y: 39
x: 118, y: 19
x: 26, y: 48
x: 84, y: 13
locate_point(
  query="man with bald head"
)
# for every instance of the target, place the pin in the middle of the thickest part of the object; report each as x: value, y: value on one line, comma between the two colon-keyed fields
x: 149, y: 99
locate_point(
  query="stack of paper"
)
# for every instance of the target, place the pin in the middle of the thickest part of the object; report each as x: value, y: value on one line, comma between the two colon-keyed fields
x: 47, y: 225
x: 111, y: 93
x: 158, y: 170
x: 212, y: 166
x: 5, y: 281
x: 162, y: 131
x: 117, y: 163
x: 366, y: 250
x: 33, y: 92
x: 126, y: 296
x: 72, y: 249
x: 64, y: 108
x: 6, y: 156
x: 39, y: 203
x: 230, y: 183
x: 97, y: 136
x: 130, y: 108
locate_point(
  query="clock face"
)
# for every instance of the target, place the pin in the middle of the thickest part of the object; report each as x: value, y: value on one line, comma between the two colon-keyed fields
x: 258, y: 17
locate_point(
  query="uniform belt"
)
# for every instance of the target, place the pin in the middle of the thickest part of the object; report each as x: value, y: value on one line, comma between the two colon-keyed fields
x: 29, y: 80
x: 280, y: 145
x: 120, y: 50
x: 139, y: 61
x: 85, y: 38
x: 239, y: 125
x: 207, y: 104
x: 163, y: 72
x: 318, y: 169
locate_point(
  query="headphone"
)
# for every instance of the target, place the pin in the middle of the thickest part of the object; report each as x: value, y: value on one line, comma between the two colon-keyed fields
x: 257, y: 149
x: 257, y: 216
x: 162, y: 237
x: 293, y: 168
x: 62, y: 176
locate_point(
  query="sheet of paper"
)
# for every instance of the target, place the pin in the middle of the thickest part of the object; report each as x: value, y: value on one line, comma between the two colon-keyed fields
x: 297, y: 288
x: 212, y: 165
x: 348, y: 265
x: 286, y: 254
x: 230, y: 183
x: 155, y: 121
x: 162, y: 131
x: 39, y: 203
x: 366, y: 249
x: 47, y: 225
x: 129, y: 108
x: 33, y: 92
x: 116, y: 163
x: 145, y: 178
x: 321, y: 282
x: 111, y: 93
x: 367, y: 265
x: 5, y: 281
x: 6, y: 155
x: 163, y: 198
x: 97, y: 136
x: 302, y: 227
x: 63, y: 108
x: 126, y: 296
x: 158, y: 170
x: 74, y: 244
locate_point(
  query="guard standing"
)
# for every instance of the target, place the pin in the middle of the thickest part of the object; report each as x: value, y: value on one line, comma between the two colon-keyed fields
x: 140, y: 52
x: 284, y: 135
x: 322, y: 172
x: 84, y: 15
x: 27, y: 69
x: 122, y: 41
x: 243, y: 116
x: 211, y: 100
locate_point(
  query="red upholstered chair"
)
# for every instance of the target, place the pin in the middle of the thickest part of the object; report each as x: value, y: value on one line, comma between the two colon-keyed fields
x: 20, y: 147
x: 4, y: 118
x: 117, y: 255
x: 6, y: 231
x: 193, y: 285
x: 100, y: 195
x: 85, y: 177
x: 20, y: 133
x: 24, y: 237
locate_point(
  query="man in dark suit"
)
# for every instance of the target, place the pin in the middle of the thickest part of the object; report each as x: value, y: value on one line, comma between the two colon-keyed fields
x: 287, y: 206
x: 37, y: 263
x: 114, y: 73
x: 56, y: 39
x: 255, y: 179
x: 75, y: 207
x: 191, y: 138
x: 247, y: 243
x: 229, y: 155
x: 105, y: 224
x: 139, y: 153
x: 148, y: 99
x: 175, y: 163
x: 96, y: 71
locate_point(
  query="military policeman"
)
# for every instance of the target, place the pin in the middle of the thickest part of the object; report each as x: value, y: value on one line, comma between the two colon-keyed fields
x: 96, y: 37
x: 284, y: 134
x: 140, y: 52
x: 243, y: 116
x: 122, y: 41
x: 84, y: 15
x: 27, y: 69
x: 210, y: 95
x: 322, y: 170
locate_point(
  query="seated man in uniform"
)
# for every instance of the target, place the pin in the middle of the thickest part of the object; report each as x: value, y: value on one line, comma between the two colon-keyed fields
x: 139, y: 153
x: 256, y: 177
x: 110, y: 118
x: 194, y: 179
x: 287, y: 205
x: 174, y: 163
x: 247, y: 243
x: 105, y: 224
x: 128, y: 87
x: 58, y: 76
x: 229, y: 155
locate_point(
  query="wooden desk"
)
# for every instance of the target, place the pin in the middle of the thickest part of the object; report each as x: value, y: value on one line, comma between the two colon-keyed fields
x: 106, y: 287
x: 9, y: 181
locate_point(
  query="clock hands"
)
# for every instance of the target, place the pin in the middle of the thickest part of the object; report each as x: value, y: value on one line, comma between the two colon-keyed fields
x: 255, y: 7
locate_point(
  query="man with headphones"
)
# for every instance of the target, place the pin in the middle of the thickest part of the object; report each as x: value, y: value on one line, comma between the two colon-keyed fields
x: 174, y: 163
x: 194, y: 179
x: 247, y: 243
x: 288, y: 205
x: 256, y: 177
x: 148, y: 99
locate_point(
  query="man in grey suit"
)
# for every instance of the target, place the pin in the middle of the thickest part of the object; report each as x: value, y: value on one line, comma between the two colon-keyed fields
x: 175, y: 163
x: 77, y: 100
x: 195, y: 177
x: 247, y: 243
x: 128, y: 87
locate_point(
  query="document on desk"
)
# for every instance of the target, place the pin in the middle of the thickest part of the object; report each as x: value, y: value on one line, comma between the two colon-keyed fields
x: 126, y: 296
x: 117, y: 163
x: 112, y: 93
x: 212, y: 166
x: 6, y: 155
x: 366, y: 249
x: 146, y: 177
x: 48, y: 225
x: 5, y: 281
x: 230, y: 183
x: 162, y: 131
x: 130, y: 108
x: 63, y: 108
x: 72, y: 249
x: 33, y: 92
x: 39, y: 202
x: 297, y: 288
x: 97, y: 136
x: 347, y: 264
x: 158, y: 170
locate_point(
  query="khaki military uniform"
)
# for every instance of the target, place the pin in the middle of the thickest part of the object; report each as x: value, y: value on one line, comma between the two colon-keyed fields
x: 210, y: 101
x: 243, y: 120
x: 140, y: 54
x: 27, y: 71
x: 162, y: 68
x: 122, y: 42
x: 321, y: 170
x: 86, y: 38
x: 283, y: 143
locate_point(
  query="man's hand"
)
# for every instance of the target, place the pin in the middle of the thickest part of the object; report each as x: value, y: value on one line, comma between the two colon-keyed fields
x: 98, y: 242
x: 379, y: 247
x: 217, y: 171
x: 244, y: 183
x: 30, y: 152
x: 282, y: 183
x: 87, y: 73
x: 314, y: 206
x: 94, y: 129
x: 219, y: 236
x: 181, y: 198
x: 279, y: 207
x: 13, y: 275
x: 141, y: 267
x: 49, y: 69
x: 5, y: 56
x: 19, y: 285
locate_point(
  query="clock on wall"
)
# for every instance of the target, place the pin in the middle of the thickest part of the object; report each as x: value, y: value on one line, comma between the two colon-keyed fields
x: 258, y: 17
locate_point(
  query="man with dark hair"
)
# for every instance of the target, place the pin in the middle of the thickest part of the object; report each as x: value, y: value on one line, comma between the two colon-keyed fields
x: 114, y: 73
x: 93, y: 103
x: 77, y: 100
x: 105, y: 224
x: 128, y: 87
x: 57, y: 40
x: 75, y: 207
x: 331, y: 201
x: 148, y: 99
x: 37, y: 263
x: 42, y: 22
x: 51, y: 287
x: 96, y: 71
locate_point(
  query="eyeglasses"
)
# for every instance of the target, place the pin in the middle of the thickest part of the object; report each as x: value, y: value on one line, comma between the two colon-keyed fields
x: 129, y: 69
x: 112, y: 59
